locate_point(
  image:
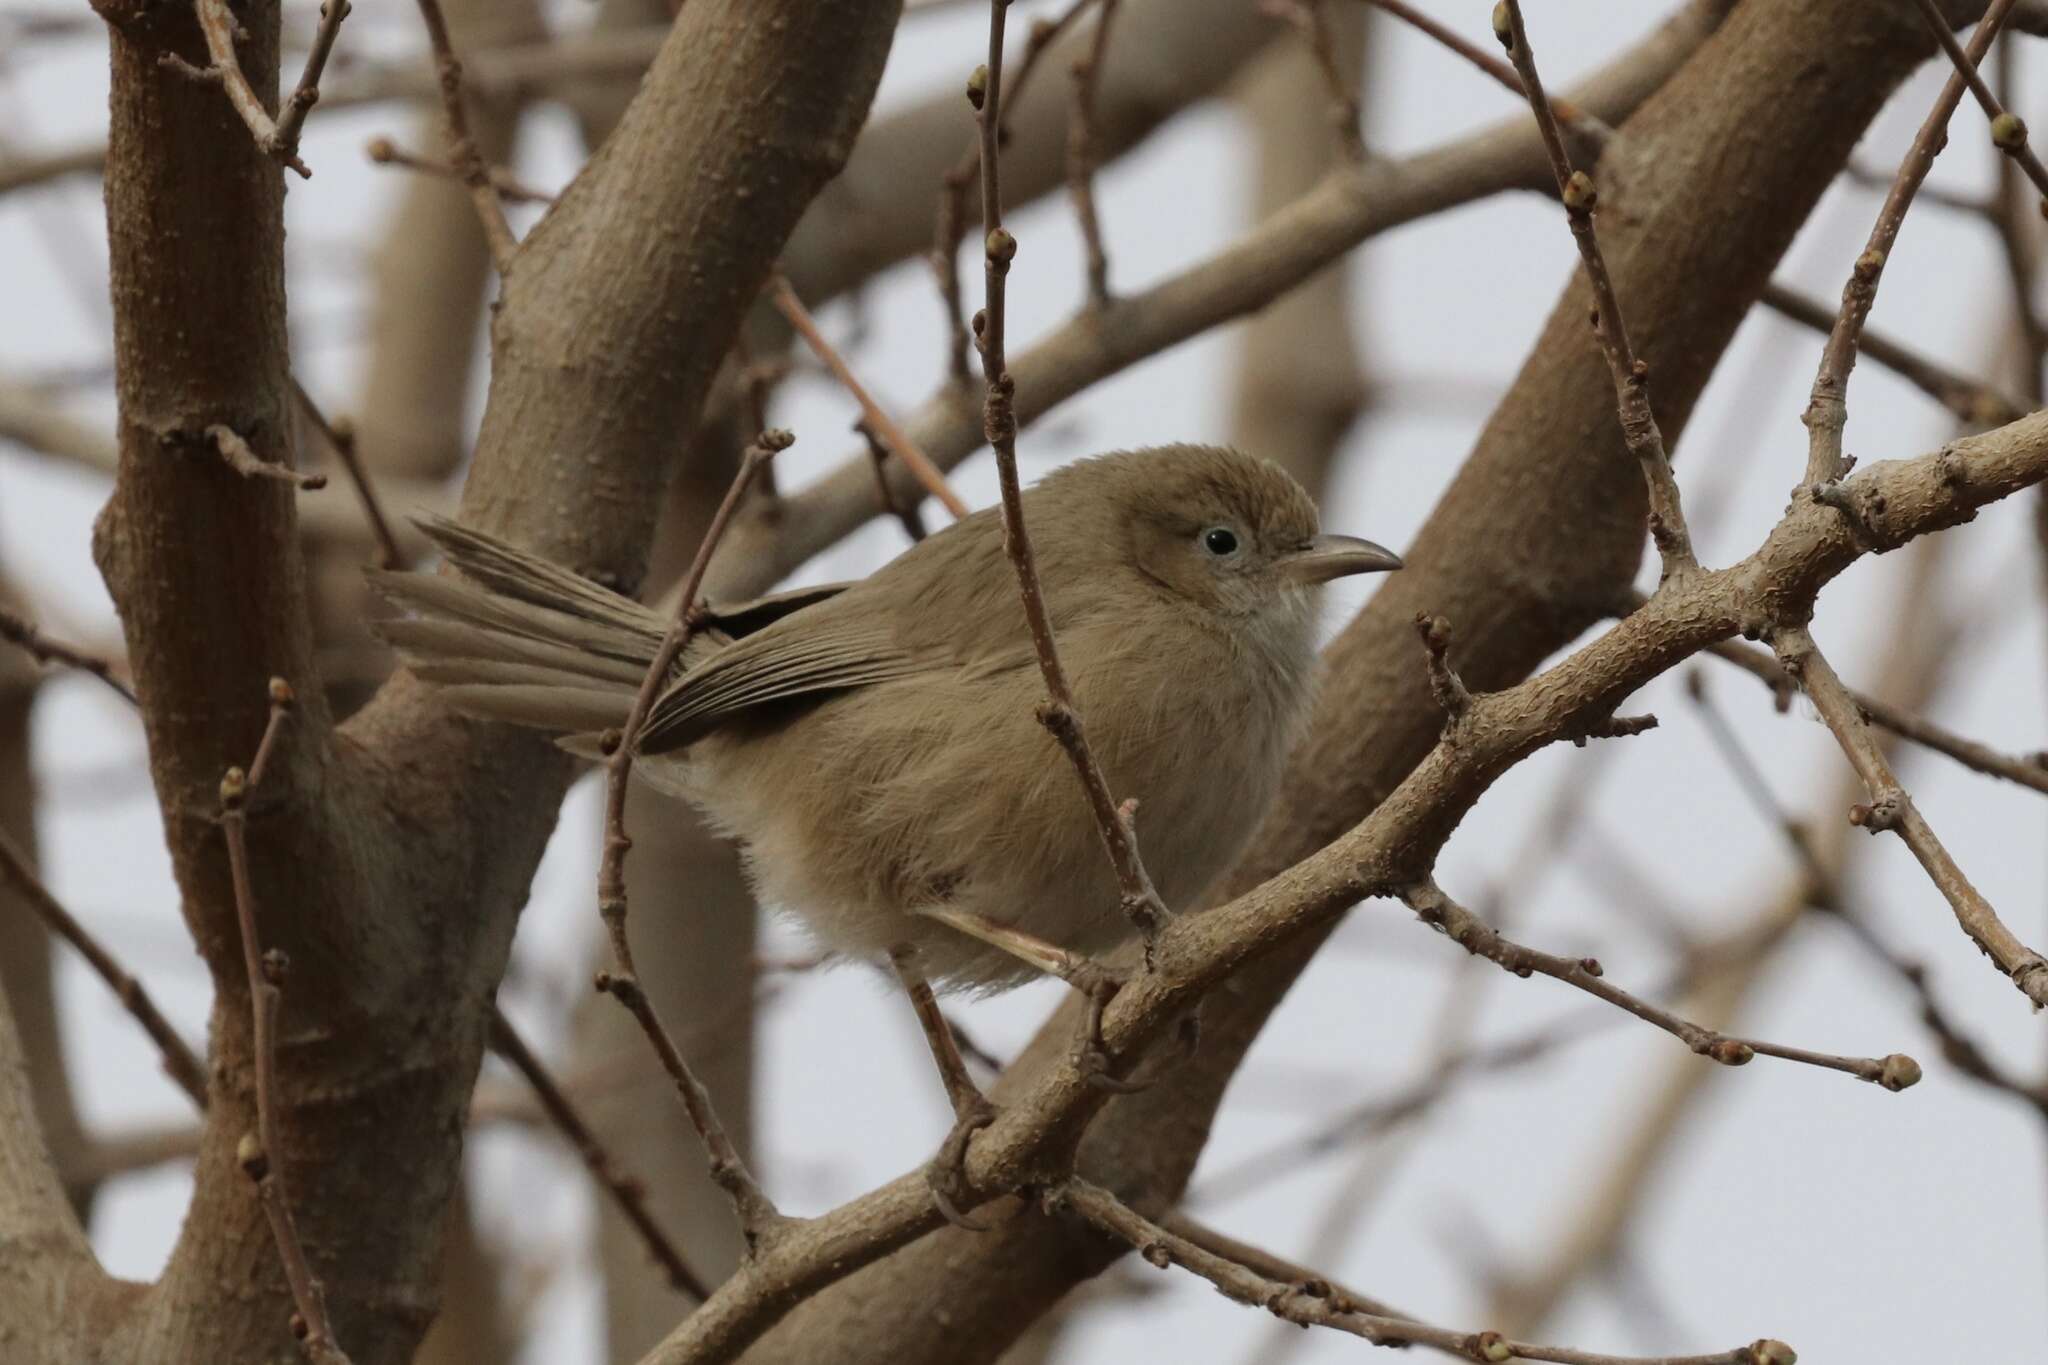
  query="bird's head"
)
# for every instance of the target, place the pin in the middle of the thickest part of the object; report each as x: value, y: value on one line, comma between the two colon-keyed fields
x: 1227, y: 532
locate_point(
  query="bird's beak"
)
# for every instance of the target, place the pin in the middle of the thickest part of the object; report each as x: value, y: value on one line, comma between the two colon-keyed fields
x: 1328, y: 557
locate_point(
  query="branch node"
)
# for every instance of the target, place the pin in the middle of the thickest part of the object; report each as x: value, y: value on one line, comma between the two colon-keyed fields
x: 1882, y: 812
x: 1451, y: 694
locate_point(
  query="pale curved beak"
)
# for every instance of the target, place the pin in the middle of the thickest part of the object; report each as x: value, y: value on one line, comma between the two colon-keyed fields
x: 1328, y: 557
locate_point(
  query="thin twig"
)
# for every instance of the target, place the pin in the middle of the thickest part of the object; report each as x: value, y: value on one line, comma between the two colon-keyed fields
x: 2028, y: 770
x: 1260, y: 1261
x: 873, y: 413
x: 999, y: 424
x: 950, y: 227
x: 1314, y: 1302
x: 1956, y: 201
x: 261, y: 1153
x: 1464, y: 928
x: 1827, y: 411
x: 1891, y: 808
x: 462, y: 150
x: 1308, y: 18
x: 626, y: 1191
x: 2015, y: 216
x: 1977, y: 403
x: 340, y: 435
x: 905, y: 510
x: 182, y: 1064
x: 21, y: 631
x: 245, y: 461
x: 510, y: 187
x: 1083, y: 156
x: 1631, y: 375
x: 2008, y: 132
x: 277, y: 137
x: 758, y: 1216
x: 1569, y: 114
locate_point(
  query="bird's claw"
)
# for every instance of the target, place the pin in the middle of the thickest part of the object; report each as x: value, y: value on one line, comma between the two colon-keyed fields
x: 946, y: 1176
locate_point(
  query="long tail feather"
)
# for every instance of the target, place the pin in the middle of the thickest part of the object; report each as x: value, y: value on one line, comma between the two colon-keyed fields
x: 525, y: 641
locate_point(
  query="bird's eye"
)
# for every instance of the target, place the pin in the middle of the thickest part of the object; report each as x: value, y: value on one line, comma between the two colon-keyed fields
x: 1220, y: 541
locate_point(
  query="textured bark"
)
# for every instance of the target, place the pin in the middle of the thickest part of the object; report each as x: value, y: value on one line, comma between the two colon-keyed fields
x: 1541, y: 529
x: 390, y: 859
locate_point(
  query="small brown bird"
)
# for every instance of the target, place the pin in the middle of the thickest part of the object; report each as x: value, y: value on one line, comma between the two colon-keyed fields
x: 873, y: 745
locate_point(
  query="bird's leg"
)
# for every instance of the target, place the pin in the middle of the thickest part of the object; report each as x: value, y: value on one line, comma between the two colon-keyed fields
x: 1095, y: 981
x: 947, y: 1173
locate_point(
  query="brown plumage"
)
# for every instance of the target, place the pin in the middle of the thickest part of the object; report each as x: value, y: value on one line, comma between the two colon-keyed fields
x: 874, y: 744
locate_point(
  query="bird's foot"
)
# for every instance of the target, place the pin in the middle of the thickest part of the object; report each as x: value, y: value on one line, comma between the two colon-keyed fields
x: 946, y: 1174
x: 1091, y: 1052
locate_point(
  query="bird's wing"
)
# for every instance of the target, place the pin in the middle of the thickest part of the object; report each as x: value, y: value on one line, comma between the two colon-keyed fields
x: 818, y: 648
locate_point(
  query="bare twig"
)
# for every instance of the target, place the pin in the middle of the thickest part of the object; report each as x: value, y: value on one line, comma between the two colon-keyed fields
x: 1827, y: 410
x: 246, y: 462
x: 1977, y: 403
x: 277, y: 137
x: 462, y: 150
x: 180, y: 1062
x: 626, y: 1191
x: 2028, y: 770
x: 999, y: 425
x: 1631, y: 376
x: 904, y: 510
x: 1083, y: 156
x: 1308, y: 18
x: 890, y: 431
x: 758, y: 1217
x: 950, y: 227
x: 1891, y: 808
x: 2008, y: 133
x: 510, y: 187
x: 1464, y: 928
x: 340, y: 435
x: 261, y: 1153
x: 21, y: 631
x: 1314, y: 1302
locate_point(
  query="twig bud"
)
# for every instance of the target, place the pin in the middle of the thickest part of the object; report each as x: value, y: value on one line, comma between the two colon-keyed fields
x: 251, y: 1157
x: 1002, y: 247
x: 2008, y: 132
x: 1504, y: 26
x: 281, y: 694
x: 1899, y: 1072
x: 1731, y: 1052
x: 1491, y: 1346
x: 977, y: 87
x: 277, y: 964
x: 1579, y: 194
x: 1770, y: 1351
x: 234, y: 785
x: 1868, y: 264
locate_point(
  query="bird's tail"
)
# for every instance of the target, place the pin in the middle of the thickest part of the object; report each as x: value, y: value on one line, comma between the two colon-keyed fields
x: 519, y: 639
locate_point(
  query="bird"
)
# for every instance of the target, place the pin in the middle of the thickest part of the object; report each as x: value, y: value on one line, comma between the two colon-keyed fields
x: 874, y: 746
